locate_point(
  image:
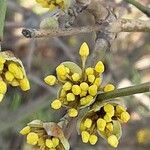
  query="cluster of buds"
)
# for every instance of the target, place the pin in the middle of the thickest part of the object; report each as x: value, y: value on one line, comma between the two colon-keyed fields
x: 53, y: 4
x: 46, y: 136
x: 79, y: 85
x: 11, y: 72
x: 105, y: 121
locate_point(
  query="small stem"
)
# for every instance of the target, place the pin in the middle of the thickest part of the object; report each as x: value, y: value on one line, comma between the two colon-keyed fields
x: 3, y: 6
x: 144, y: 9
x: 142, y: 88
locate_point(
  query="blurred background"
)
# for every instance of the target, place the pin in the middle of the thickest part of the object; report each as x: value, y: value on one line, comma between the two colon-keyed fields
x: 127, y: 63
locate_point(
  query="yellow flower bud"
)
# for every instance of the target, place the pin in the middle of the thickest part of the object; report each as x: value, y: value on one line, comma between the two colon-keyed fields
x: 98, y: 81
x: 93, y: 139
x: 75, y: 77
x: 99, y: 67
x: 113, y: 141
x: 25, y: 130
x: 120, y: 109
x: 32, y: 138
x: 70, y: 97
x: 91, y: 78
x: 49, y: 143
x: 109, y: 108
x: 89, y: 99
x: 109, y: 126
x: 63, y: 77
x: 109, y: 87
x: 2, y: 60
x: 56, y: 104
x: 92, y: 90
x: 89, y: 71
x: 1, y: 97
x: 68, y: 70
x: 67, y: 86
x: 101, y: 124
x: 83, y: 101
x: 85, y: 136
x: 14, y: 82
x: 76, y: 90
x: 9, y: 76
x: 62, y: 93
x: 61, y: 70
x: 125, y: 116
x: 72, y: 112
x: 84, y: 86
x: 84, y: 50
x: 107, y: 118
x: 88, y: 123
x: 3, y: 87
x: 24, y: 84
x: 55, y: 141
x: 50, y: 80
x: 41, y: 142
x: 83, y: 93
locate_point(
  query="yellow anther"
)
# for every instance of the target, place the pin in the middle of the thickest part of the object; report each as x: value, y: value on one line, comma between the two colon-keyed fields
x: 25, y: 130
x: 93, y: 139
x: 14, y: 82
x: 56, y: 104
x: 3, y: 87
x: 50, y: 80
x: 88, y: 123
x: 109, y: 87
x: 109, y: 126
x: 62, y: 93
x: 49, y: 143
x: 32, y: 138
x: 109, y: 108
x: 91, y: 78
x: 75, y: 77
x: 72, y: 112
x: 101, y: 124
x: 107, y: 118
x: 89, y: 71
x: 83, y: 93
x: 76, y: 90
x: 99, y: 67
x: 98, y: 81
x: 84, y: 50
x: 1, y: 97
x: 92, y: 90
x: 9, y: 76
x: 85, y: 136
x: 24, y: 84
x: 2, y: 60
x: 125, y: 116
x: 84, y: 86
x: 55, y: 141
x: 61, y: 70
x: 70, y: 97
x: 67, y: 86
x: 120, y: 109
x: 113, y: 141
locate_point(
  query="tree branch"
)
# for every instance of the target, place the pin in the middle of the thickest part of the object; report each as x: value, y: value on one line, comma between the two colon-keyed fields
x: 142, y: 88
x: 123, y: 25
x: 3, y: 6
x: 144, y: 9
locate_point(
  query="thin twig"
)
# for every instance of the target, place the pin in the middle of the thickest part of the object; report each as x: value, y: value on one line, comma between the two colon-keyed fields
x: 144, y: 9
x: 123, y: 25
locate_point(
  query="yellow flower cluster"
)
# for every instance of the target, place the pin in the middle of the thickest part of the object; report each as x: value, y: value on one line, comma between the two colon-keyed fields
x: 79, y: 87
x: 12, y: 73
x: 52, y: 4
x: 102, y: 122
x: 37, y: 135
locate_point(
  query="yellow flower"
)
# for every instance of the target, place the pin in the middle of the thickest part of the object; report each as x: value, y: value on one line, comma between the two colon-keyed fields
x: 120, y: 109
x: 3, y: 87
x: 67, y: 86
x: 2, y: 60
x: 9, y: 76
x: 89, y: 71
x: 99, y: 67
x: 84, y: 86
x: 125, y: 116
x: 32, y: 138
x: 56, y: 104
x: 88, y: 123
x: 76, y: 90
x: 98, y: 81
x: 24, y: 84
x: 50, y: 80
x: 107, y: 118
x: 93, y: 90
x: 49, y: 143
x: 93, y: 139
x: 85, y: 136
x: 109, y: 108
x: 101, y: 124
x: 1, y: 97
x: 109, y: 126
x: 84, y: 50
x: 72, y: 112
x: 91, y: 78
x: 75, y: 77
x: 113, y: 141
x: 55, y: 141
x: 25, y: 130
x: 61, y: 70
x: 70, y: 97
x: 109, y: 87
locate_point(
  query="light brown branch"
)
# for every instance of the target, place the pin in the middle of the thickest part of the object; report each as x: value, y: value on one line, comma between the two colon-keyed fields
x: 123, y: 25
